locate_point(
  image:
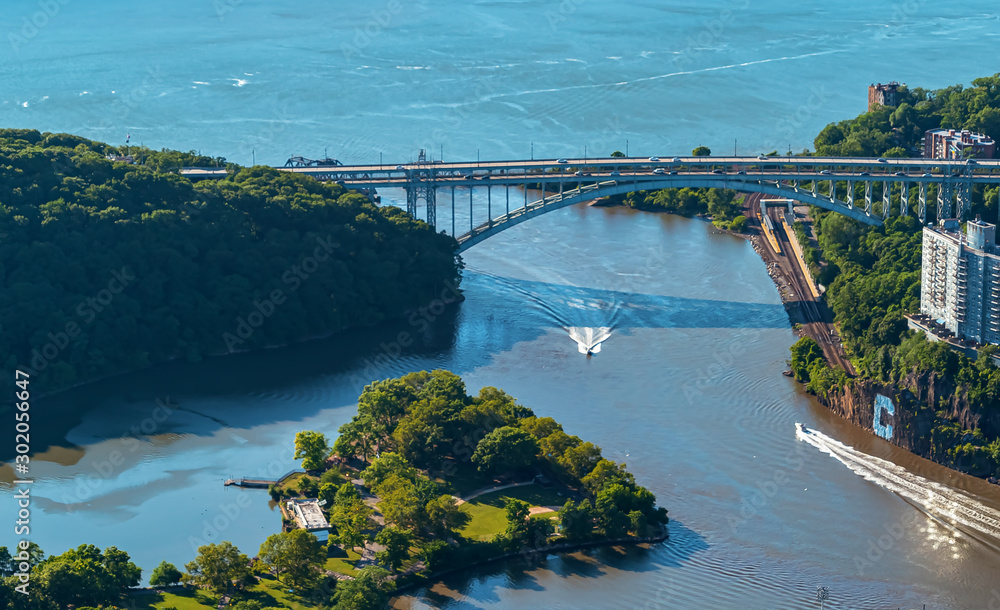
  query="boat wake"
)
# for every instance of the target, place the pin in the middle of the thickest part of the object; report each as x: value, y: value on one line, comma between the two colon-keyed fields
x: 944, y: 504
x: 589, y: 340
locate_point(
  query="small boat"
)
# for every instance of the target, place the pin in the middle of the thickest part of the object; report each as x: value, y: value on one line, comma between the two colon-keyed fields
x: 590, y: 353
x: 787, y: 373
x: 801, y: 428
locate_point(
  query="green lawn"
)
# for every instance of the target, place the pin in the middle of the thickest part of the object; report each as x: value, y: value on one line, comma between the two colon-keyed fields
x: 488, y: 516
x: 186, y: 599
x: 344, y: 564
x: 269, y: 592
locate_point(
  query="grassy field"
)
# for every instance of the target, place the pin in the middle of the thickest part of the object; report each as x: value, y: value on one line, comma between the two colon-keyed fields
x: 182, y: 599
x: 269, y: 592
x: 344, y: 565
x: 488, y: 516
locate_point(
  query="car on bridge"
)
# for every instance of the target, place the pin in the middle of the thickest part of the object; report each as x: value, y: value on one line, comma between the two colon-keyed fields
x: 562, y: 161
x: 825, y: 172
x: 616, y: 173
x: 659, y: 170
x: 400, y: 167
x: 718, y: 171
x: 654, y: 159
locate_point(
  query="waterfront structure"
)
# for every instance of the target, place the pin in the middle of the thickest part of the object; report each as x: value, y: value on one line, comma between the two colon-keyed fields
x: 960, y: 280
x: 883, y: 95
x: 308, y: 514
x: 955, y: 144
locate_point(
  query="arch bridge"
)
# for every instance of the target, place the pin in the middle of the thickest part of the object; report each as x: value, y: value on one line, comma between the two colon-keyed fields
x: 832, y: 183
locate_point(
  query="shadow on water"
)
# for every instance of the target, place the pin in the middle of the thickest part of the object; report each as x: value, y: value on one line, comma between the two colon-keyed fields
x: 361, y: 355
x: 484, y: 584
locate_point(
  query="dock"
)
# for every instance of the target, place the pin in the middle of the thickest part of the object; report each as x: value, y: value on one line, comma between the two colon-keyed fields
x: 250, y: 483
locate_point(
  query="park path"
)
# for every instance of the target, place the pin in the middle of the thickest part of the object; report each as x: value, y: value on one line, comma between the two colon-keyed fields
x: 486, y: 490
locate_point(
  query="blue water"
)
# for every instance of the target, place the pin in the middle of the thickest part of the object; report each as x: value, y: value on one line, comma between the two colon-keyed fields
x: 251, y: 79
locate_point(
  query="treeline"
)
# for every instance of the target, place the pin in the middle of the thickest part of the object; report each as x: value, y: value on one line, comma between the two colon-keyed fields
x: 873, y: 274
x: 419, y: 436
x: 106, y: 267
x: 724, y: 206
x: 898, y: 131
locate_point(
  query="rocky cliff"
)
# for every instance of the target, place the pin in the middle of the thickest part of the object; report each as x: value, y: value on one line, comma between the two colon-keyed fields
x: 908, y: 421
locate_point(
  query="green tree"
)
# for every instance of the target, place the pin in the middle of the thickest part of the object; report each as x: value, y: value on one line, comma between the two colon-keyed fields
x: 702, y: 151
x: 220, y: 567
x: 397, y: 547
x: 311, y: 447
x: 505, y: 450
x: 165, y: 574
x: 579, y: 460
x: 369, y: 590
x: 296, y: 555
x: 444, y: 517
x: 400, y: 503
x: 576, y: 521
x: 386, y: 465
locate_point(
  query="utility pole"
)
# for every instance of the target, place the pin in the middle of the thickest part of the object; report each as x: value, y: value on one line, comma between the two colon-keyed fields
x: 626, y: 147
x: 253, y: 152
x: 532, y: 151
x: 735, y: 142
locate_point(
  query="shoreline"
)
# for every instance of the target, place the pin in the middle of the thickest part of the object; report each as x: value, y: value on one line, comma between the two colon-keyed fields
x: 555, y: 548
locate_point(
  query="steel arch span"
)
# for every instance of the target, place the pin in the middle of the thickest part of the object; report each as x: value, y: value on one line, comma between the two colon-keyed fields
x: 607, y: 189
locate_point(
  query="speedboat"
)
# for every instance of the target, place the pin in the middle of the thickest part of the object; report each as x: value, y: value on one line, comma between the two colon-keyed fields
x: 801, y: 428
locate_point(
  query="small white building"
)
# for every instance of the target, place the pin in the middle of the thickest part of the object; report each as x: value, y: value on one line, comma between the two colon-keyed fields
x: 308, y: 514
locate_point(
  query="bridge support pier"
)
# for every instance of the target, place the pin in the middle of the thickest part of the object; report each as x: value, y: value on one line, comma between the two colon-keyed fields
x: 489, y: 204
x: 453, y: 211
x: 868, y: 197
x: 850, y: 194
x: 964, y: 200
x: 944, y: 201
x: 833, y: 191
x: 508, y: 199
x: 904, y: 199
x: 471, y: 225
x: 886, y: 199
x: 428, y: 193
x: 922, y: 202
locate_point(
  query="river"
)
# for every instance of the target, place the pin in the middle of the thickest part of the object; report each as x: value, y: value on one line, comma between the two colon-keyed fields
x: 687, y: 387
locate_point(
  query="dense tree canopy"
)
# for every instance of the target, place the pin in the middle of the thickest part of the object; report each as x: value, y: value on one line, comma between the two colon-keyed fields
x: 108, y: 266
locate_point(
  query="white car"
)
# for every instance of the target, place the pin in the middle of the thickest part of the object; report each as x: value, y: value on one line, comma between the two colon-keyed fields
x: 654, y: 159
x: 616, y: 173
x: 400, y: 167
x: 659, y: 170
x: 562, y: 161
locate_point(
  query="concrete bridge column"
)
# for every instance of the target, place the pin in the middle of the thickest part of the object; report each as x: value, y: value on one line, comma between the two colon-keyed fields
x: 904, y: 199
x: 508, y: 199
x: 526, y: 194
x: 833, y: 191
x: 868, y: 197
x: 850, y: 194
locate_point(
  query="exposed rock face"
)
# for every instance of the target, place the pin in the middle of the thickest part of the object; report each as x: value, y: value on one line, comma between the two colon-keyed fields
x: 911, y: 423
x: 915, y: 399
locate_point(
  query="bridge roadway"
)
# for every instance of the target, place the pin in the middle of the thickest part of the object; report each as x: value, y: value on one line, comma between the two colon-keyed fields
x: 593, y: 178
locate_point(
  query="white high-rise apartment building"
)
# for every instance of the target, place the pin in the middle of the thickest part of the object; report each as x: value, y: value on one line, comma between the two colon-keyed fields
x: 960, y: 279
